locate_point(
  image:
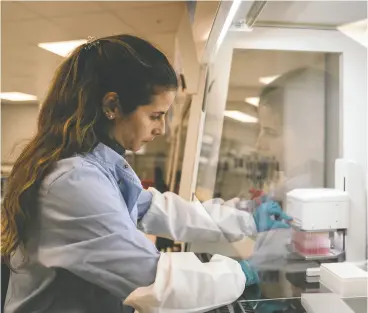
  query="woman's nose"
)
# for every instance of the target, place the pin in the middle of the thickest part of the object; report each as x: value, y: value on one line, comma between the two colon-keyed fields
x: 160, y: 130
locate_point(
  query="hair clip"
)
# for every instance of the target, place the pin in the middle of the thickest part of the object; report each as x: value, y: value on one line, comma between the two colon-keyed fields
x: 92, y: 42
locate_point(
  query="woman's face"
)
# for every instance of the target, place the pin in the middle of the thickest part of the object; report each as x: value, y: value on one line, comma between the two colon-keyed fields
x: 144, y: 124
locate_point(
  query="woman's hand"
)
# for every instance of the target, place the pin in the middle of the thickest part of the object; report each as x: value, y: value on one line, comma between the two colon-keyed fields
x: 269, y: 216
x: 250, y: 273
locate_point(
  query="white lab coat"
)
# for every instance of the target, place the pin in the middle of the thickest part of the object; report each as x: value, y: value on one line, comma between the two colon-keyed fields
x: 87, y: 255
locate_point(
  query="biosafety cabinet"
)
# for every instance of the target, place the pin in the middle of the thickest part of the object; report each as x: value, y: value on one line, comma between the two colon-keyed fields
x: 284, y: 96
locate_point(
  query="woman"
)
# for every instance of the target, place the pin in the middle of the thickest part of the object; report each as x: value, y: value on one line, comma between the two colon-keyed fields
x: 73, y: 203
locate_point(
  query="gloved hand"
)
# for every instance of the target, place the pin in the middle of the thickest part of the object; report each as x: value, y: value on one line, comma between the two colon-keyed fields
x: 251, y: 275
x: 264, y: 213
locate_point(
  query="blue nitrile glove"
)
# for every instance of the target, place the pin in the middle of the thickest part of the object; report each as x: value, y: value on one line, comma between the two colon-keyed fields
x: 249, y: 272
x: 264, y: 213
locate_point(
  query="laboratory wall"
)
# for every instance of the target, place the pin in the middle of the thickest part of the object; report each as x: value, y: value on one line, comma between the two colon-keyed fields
x: 201, y: 22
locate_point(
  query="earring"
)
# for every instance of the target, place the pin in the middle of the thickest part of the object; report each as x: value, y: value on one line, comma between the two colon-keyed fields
x: 109, y: 115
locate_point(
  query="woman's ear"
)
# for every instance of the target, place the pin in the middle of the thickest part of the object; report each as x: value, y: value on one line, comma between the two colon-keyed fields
x: 110, y: 105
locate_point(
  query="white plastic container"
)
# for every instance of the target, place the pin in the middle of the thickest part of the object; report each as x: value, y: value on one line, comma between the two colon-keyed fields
x: 344, y: 279
x: 318, y: 209
x: 313, y: 272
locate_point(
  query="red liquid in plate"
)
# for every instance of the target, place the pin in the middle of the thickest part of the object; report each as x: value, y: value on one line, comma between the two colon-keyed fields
x: 308, y: 243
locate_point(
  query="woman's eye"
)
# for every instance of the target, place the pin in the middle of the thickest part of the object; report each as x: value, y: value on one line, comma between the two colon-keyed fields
x: 155, y: 117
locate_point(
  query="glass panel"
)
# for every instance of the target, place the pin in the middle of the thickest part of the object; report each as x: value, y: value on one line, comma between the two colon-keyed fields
x: 280, y: 126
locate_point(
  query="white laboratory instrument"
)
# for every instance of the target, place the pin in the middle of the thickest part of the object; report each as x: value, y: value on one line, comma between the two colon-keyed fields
x: 318, y: 209
x: 330, y: 223
x: 318, y: 215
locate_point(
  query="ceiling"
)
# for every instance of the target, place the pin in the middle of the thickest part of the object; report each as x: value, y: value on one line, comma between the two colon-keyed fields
x: 29, y: 69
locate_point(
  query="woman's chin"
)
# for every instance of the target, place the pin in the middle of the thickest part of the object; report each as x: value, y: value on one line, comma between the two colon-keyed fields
x: 138, y: 147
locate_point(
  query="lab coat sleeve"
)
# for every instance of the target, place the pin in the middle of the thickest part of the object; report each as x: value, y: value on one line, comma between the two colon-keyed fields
x: 186, y: 285
x: 171, y: 216
x: 85, y: 228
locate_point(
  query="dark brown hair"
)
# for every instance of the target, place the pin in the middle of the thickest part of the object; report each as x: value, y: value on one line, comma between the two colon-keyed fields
x: 71, y: 119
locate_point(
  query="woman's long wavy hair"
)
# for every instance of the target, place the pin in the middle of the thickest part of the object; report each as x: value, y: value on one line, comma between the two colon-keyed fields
x: 71, y: 120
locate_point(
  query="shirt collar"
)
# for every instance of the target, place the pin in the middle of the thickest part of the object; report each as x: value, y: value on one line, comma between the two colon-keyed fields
x: 113, y: 145
x: 115, y: 163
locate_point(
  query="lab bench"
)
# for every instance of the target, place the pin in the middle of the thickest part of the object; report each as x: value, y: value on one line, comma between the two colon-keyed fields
x: 281, y: 291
